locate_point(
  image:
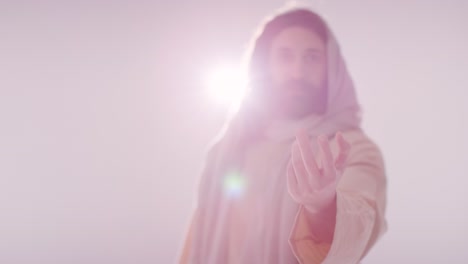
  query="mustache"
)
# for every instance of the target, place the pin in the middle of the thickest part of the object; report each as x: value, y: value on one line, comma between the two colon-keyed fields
x: 297, y: 84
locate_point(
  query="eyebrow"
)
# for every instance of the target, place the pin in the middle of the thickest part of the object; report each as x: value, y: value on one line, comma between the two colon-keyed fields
x: 313, y: 50
x: 283, y: 48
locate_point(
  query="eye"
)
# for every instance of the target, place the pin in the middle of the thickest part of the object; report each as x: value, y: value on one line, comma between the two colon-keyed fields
x: 312, y: 57
x: 285, y: 56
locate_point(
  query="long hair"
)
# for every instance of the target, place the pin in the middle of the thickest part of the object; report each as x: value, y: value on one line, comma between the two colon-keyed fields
x: 251, y: 115
x: 259, y: 53
x: 247, y: 123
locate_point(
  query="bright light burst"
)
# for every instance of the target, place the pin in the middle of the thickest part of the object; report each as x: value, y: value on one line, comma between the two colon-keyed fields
x: 226, y: 85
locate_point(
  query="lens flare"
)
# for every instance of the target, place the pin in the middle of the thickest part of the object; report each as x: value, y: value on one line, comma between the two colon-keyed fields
x: 234, y: 185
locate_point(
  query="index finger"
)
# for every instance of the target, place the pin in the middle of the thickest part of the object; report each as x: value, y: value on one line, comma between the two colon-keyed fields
x: 306, y: 153
x: 344, y: 148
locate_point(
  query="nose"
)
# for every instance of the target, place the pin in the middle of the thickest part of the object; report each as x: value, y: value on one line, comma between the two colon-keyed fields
x: 297, y: 70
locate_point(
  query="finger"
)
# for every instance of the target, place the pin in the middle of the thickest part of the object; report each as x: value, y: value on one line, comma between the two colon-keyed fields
x: 343, y: 151
x: 292, y: 181
x: 292, y: 184
x: 317, y: 201
x: 327, y: 157
x: 307, y: 154
x: 302, y: 175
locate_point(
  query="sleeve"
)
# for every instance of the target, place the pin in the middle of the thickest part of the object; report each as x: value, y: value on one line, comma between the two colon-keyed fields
x: 184, y: 255
x: 190, y: 243
x: 360, y: 216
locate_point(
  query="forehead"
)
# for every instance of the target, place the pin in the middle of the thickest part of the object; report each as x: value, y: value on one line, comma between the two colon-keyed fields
x: 298, y: 38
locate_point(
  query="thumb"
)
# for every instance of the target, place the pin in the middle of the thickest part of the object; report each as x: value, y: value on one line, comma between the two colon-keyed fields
x: 343, y: 151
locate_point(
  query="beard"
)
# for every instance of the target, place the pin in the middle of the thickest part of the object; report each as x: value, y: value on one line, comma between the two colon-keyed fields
x: 295, y: 99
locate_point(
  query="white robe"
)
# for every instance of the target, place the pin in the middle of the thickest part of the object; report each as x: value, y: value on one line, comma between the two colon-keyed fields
x: 262, y: 223
x: 275, y: 232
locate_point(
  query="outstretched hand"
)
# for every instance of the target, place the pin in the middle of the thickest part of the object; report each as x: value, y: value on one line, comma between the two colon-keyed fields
x: 311, y: 178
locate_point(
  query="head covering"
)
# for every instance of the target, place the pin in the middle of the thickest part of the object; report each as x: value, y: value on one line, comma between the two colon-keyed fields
x: 343, y: 113
x: 343, y: 110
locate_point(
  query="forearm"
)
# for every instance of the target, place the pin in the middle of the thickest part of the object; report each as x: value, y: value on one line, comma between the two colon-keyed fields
x: 323, y: 223
x: 356, y: 223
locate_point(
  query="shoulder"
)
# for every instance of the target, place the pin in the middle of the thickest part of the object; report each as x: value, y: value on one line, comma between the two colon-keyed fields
x: 358, y: 137
x: 365, y: 169
x: 365, y: 162
x: 362, y: 146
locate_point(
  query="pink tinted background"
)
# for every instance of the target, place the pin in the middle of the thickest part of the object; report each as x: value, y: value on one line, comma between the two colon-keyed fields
x: 103, y: 121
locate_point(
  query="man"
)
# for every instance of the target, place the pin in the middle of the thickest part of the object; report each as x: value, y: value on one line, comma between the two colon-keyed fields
x: 293, y: 178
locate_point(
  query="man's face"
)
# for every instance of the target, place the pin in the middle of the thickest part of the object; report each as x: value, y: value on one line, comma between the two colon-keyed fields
x: 298, y: 73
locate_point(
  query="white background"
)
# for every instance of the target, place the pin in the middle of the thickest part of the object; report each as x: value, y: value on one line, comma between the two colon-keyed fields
x: 103, y: 121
